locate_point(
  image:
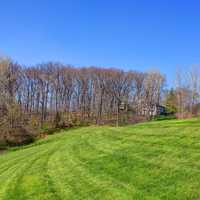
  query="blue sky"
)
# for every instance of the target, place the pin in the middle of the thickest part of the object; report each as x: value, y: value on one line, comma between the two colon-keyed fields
x: 128, y: 34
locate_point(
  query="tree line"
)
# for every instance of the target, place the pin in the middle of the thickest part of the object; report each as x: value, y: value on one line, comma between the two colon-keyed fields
x: 57, y: 95
x: 61, y: 95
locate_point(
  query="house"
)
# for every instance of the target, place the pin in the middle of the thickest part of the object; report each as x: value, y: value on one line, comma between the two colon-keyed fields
x: 123, y: 106
x: 154, y: 110
x: 145, y: 111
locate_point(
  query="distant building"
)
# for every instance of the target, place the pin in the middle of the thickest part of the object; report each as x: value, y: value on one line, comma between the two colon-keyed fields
x: 154, y: 110
x: 145, y: 111
x: 123, y: 106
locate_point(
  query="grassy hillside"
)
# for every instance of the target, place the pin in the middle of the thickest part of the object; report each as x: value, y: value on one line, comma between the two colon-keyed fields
x: 151, y: 161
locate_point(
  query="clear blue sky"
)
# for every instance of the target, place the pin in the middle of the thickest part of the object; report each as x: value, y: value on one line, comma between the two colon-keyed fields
x: 129, y: 34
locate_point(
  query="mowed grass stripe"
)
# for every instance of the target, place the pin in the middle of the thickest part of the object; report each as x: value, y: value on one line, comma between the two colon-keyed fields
x: 157, y: 160
x: 74, y: 164
x: 32, y: 164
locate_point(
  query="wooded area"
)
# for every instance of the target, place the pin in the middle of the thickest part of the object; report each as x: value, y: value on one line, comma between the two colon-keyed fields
x: 58, y: 95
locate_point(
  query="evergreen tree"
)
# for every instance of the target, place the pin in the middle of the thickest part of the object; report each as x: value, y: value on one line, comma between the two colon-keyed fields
x: 171, y: 102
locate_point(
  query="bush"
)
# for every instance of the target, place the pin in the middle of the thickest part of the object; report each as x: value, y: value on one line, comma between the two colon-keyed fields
x: 3, y: 144
x: 18, y: 136
x: 15, y: 127
x: 163, y: 117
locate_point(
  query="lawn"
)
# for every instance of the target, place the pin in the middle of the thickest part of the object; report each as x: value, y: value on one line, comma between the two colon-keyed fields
x: 150, y: 161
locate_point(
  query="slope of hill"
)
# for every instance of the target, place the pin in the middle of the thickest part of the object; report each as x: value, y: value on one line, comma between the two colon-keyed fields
x: 150, y: 161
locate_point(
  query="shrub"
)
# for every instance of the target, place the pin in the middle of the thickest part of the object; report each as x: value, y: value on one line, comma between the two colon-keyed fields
x: 15, y: 128
x: 3, y: 144
x: 163, y: 117
x: 17, y: 136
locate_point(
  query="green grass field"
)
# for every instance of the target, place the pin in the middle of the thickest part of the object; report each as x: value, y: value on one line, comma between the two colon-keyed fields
x: 150, y: 161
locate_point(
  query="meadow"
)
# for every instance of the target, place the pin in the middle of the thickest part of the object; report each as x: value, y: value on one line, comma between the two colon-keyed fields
x: 157, y: 160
